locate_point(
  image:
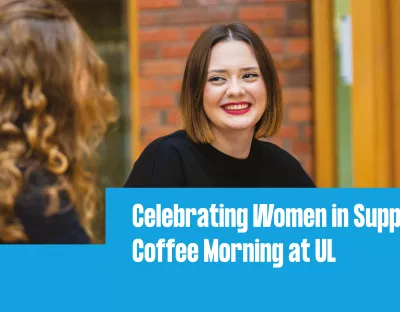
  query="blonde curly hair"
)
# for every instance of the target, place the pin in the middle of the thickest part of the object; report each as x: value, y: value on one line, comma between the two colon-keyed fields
x: 55, y: 107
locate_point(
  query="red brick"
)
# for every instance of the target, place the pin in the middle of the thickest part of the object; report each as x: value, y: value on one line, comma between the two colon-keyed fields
x: 256, y: 27
x: 288, y: 131
x: 262, y: 13
x: 173, y: 117
x: 157, y: 100
x: 282, y: 78
x: 176, y: 51
x: 272, y: 30
x: 298, y: 46
x: 155, y: 35
x: 297, y: 28
x: 298, y: 11
x: 152, y: 133
x: 194, y: 3
x: 147, y: 19
x: 190, y: 3
x: 199, y: 15
x: 299, y: 77
x: 162, y: 68
x: 288, y: 62
x: 208, y: 2
x: 274, y: 45
x: 307, y: 132
x: 260, y: 1
x: 149, y: 51
x: 287, y: 29
x: 194, y: 32
x: 154, y: 84
x: 299, y: 114
x: 158, y: 4
x: 174, y: 85
x: 296, y: 95
x: 149, y: 116
x: 300, y: 147
x: 147, y: 85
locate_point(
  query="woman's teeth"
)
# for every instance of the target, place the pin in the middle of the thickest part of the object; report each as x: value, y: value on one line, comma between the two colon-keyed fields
x: 236, y: 106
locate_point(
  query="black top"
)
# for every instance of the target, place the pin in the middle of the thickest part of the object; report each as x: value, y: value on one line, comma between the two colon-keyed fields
x: 64, y: 227
x: 176, y: 161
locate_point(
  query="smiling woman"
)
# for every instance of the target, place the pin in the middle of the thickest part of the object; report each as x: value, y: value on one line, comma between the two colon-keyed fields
x: 230, y: 98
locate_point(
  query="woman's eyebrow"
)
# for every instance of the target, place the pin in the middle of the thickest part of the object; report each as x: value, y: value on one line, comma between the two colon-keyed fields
x: 250, y: 68
x: 221, y: 71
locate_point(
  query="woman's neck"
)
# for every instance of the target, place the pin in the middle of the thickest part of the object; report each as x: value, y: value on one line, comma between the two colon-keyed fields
x: 236, y: 144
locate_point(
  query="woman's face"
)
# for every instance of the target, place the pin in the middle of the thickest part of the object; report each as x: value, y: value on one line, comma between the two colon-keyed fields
x: 235, y: 96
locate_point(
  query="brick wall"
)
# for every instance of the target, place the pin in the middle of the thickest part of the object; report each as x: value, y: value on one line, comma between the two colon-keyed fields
x: 167, y: 31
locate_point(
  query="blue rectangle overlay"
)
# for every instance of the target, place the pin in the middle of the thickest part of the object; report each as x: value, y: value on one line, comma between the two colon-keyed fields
x: 221, y: 250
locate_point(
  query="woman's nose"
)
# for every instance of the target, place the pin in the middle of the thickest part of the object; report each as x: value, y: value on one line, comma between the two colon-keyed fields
x: 235, y: 89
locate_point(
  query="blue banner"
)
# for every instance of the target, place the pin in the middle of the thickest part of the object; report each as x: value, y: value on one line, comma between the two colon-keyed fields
x: 220, y: 250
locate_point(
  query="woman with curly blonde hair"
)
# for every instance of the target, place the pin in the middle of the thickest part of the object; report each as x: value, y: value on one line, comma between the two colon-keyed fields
x: 55, y: 107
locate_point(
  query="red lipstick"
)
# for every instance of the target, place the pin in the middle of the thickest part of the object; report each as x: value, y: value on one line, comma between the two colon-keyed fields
x: 236, y: 108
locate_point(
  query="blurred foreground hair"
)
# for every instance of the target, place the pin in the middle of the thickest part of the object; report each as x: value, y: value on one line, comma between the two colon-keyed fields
x: 55, y: 107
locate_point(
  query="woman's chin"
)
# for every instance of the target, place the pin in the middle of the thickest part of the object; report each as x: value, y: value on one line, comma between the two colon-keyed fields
x: 238, y: 127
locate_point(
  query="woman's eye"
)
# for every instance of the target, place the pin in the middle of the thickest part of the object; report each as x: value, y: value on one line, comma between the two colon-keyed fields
x: 216, y: 78
x: 250, y: 76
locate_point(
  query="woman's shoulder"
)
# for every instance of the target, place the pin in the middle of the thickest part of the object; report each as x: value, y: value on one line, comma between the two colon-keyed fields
x: 276, y: 152
x: 160, y: 163
x: 169, y: 146
x: 175, y: 140
x: 285, y: 165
